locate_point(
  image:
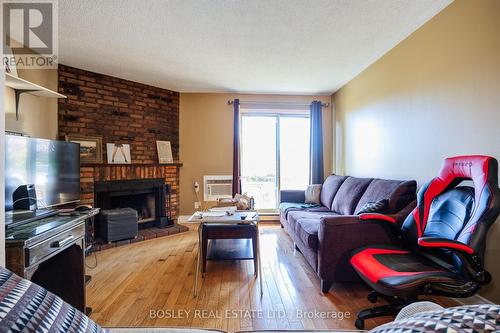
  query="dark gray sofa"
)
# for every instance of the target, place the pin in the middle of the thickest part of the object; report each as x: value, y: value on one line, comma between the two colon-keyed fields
x: 326, y: 234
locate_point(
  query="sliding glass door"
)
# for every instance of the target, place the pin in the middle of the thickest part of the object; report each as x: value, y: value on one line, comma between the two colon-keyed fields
x: 294, y: 152
x: 274, y: 156
x: 259, y: 160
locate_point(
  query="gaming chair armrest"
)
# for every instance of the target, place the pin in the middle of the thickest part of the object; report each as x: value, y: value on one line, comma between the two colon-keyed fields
x: 377, y: 217
x: 444, y: 243
x: 472, y: 263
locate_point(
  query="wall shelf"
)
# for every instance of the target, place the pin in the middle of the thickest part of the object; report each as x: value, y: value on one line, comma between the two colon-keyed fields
x: 22, y: 86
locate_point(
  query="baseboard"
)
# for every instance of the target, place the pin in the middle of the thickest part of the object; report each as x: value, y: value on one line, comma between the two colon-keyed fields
x: 475, y: 299
x: 185, y: 219
x: 269, y: 218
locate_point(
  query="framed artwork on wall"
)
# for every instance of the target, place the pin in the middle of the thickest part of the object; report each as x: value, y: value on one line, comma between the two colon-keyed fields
x: 90, y: 148
x: 118, y: 153
x: 164, y: 152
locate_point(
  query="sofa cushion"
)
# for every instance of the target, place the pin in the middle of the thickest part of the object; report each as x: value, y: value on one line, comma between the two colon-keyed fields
x: 348, y: 195
x: 377, y: 190
x: 296, y: 215
x: 330, y: 188
x: 307, y: 231
x: 318, y: 209
x: 286, y: 207
x: 305, y: 225
x: 401, y: 197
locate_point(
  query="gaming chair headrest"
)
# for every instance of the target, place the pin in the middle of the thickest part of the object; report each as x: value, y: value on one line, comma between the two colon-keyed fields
x: 482, y: 170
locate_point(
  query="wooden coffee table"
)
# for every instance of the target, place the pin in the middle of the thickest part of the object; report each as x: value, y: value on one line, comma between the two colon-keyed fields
x: 227, y: 237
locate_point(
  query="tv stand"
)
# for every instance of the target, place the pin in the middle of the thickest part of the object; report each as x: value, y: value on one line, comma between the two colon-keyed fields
x: 50, y: 252
x: 15, y: 218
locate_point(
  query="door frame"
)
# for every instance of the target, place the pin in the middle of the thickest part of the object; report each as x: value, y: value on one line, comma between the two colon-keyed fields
x: 277, y: 114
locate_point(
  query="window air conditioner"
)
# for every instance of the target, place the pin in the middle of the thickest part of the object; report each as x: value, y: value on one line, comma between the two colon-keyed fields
x: 216, y: 187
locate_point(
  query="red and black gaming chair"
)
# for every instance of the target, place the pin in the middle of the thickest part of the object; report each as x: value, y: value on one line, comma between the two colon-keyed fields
x: 442, y: 241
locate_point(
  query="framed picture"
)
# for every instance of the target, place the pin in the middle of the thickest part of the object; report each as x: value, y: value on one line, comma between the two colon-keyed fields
x: 164, y: 152
x: 118, y: 153
x: 90, y: 148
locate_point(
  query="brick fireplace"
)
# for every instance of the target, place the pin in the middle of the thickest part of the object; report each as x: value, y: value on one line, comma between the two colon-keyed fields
x: 121, y: 111
x: 92, y: 175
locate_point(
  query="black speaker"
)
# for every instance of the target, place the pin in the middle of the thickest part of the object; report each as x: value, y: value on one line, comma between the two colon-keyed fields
x: 24, y: 198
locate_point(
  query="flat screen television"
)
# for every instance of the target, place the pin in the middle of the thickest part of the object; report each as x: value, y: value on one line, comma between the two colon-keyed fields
x: 52, y: 166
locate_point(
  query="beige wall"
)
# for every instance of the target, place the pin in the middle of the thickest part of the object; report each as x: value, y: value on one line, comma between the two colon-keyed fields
x: 434, y: 95
x: 38, y: 115
x: 2, y: 178
x: 206, y: 137
x: 38, y: 118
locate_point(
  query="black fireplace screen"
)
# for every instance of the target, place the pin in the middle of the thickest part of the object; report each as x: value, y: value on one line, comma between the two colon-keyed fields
x: 149, y: 197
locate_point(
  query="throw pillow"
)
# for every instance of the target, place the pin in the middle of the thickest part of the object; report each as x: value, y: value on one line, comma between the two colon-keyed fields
x: 312, y: 193
x: 379, y: 206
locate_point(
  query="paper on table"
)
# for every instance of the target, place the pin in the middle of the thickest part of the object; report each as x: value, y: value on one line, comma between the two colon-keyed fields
x: 213, y: 214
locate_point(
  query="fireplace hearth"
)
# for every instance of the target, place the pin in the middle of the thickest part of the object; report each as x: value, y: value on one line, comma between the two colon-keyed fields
x: 149, y: 197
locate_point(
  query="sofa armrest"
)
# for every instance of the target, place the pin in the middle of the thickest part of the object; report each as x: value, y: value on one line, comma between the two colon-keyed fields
x: 296, y: 196
x: 339, y: 235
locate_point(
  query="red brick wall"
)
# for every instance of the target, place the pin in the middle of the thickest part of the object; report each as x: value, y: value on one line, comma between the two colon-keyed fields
x: 119, y: 111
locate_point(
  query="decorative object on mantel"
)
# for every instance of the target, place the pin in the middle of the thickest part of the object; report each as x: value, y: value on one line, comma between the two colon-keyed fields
x: 90, y: 148
x: 118, y: 153
x: 22, y: 86
x: 164, y: 152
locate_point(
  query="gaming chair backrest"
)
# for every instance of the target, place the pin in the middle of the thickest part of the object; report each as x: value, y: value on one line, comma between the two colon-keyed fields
x: 460, y: 213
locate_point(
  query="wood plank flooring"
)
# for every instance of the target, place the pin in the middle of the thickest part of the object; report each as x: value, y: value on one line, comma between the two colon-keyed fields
x: 151, y: 284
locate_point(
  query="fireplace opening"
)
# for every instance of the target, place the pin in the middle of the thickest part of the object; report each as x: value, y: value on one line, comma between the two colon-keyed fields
x: 144, y: 204
x: 149, y: 197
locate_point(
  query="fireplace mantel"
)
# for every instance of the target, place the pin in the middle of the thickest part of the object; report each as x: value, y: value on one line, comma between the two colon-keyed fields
x: 91, y: 173
x: 175, y: 163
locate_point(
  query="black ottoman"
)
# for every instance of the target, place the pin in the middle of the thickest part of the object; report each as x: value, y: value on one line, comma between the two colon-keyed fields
x: 117, y: 224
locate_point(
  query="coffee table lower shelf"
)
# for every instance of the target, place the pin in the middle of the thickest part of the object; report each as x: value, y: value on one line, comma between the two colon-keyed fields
x: 230, y: 249
x: 227, y: 238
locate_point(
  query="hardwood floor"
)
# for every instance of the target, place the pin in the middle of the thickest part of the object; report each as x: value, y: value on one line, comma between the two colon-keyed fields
x: 151, y: 284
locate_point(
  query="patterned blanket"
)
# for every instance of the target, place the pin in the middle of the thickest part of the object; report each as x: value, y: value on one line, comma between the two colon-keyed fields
x: 482, y: 318
x: 27, y: 307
